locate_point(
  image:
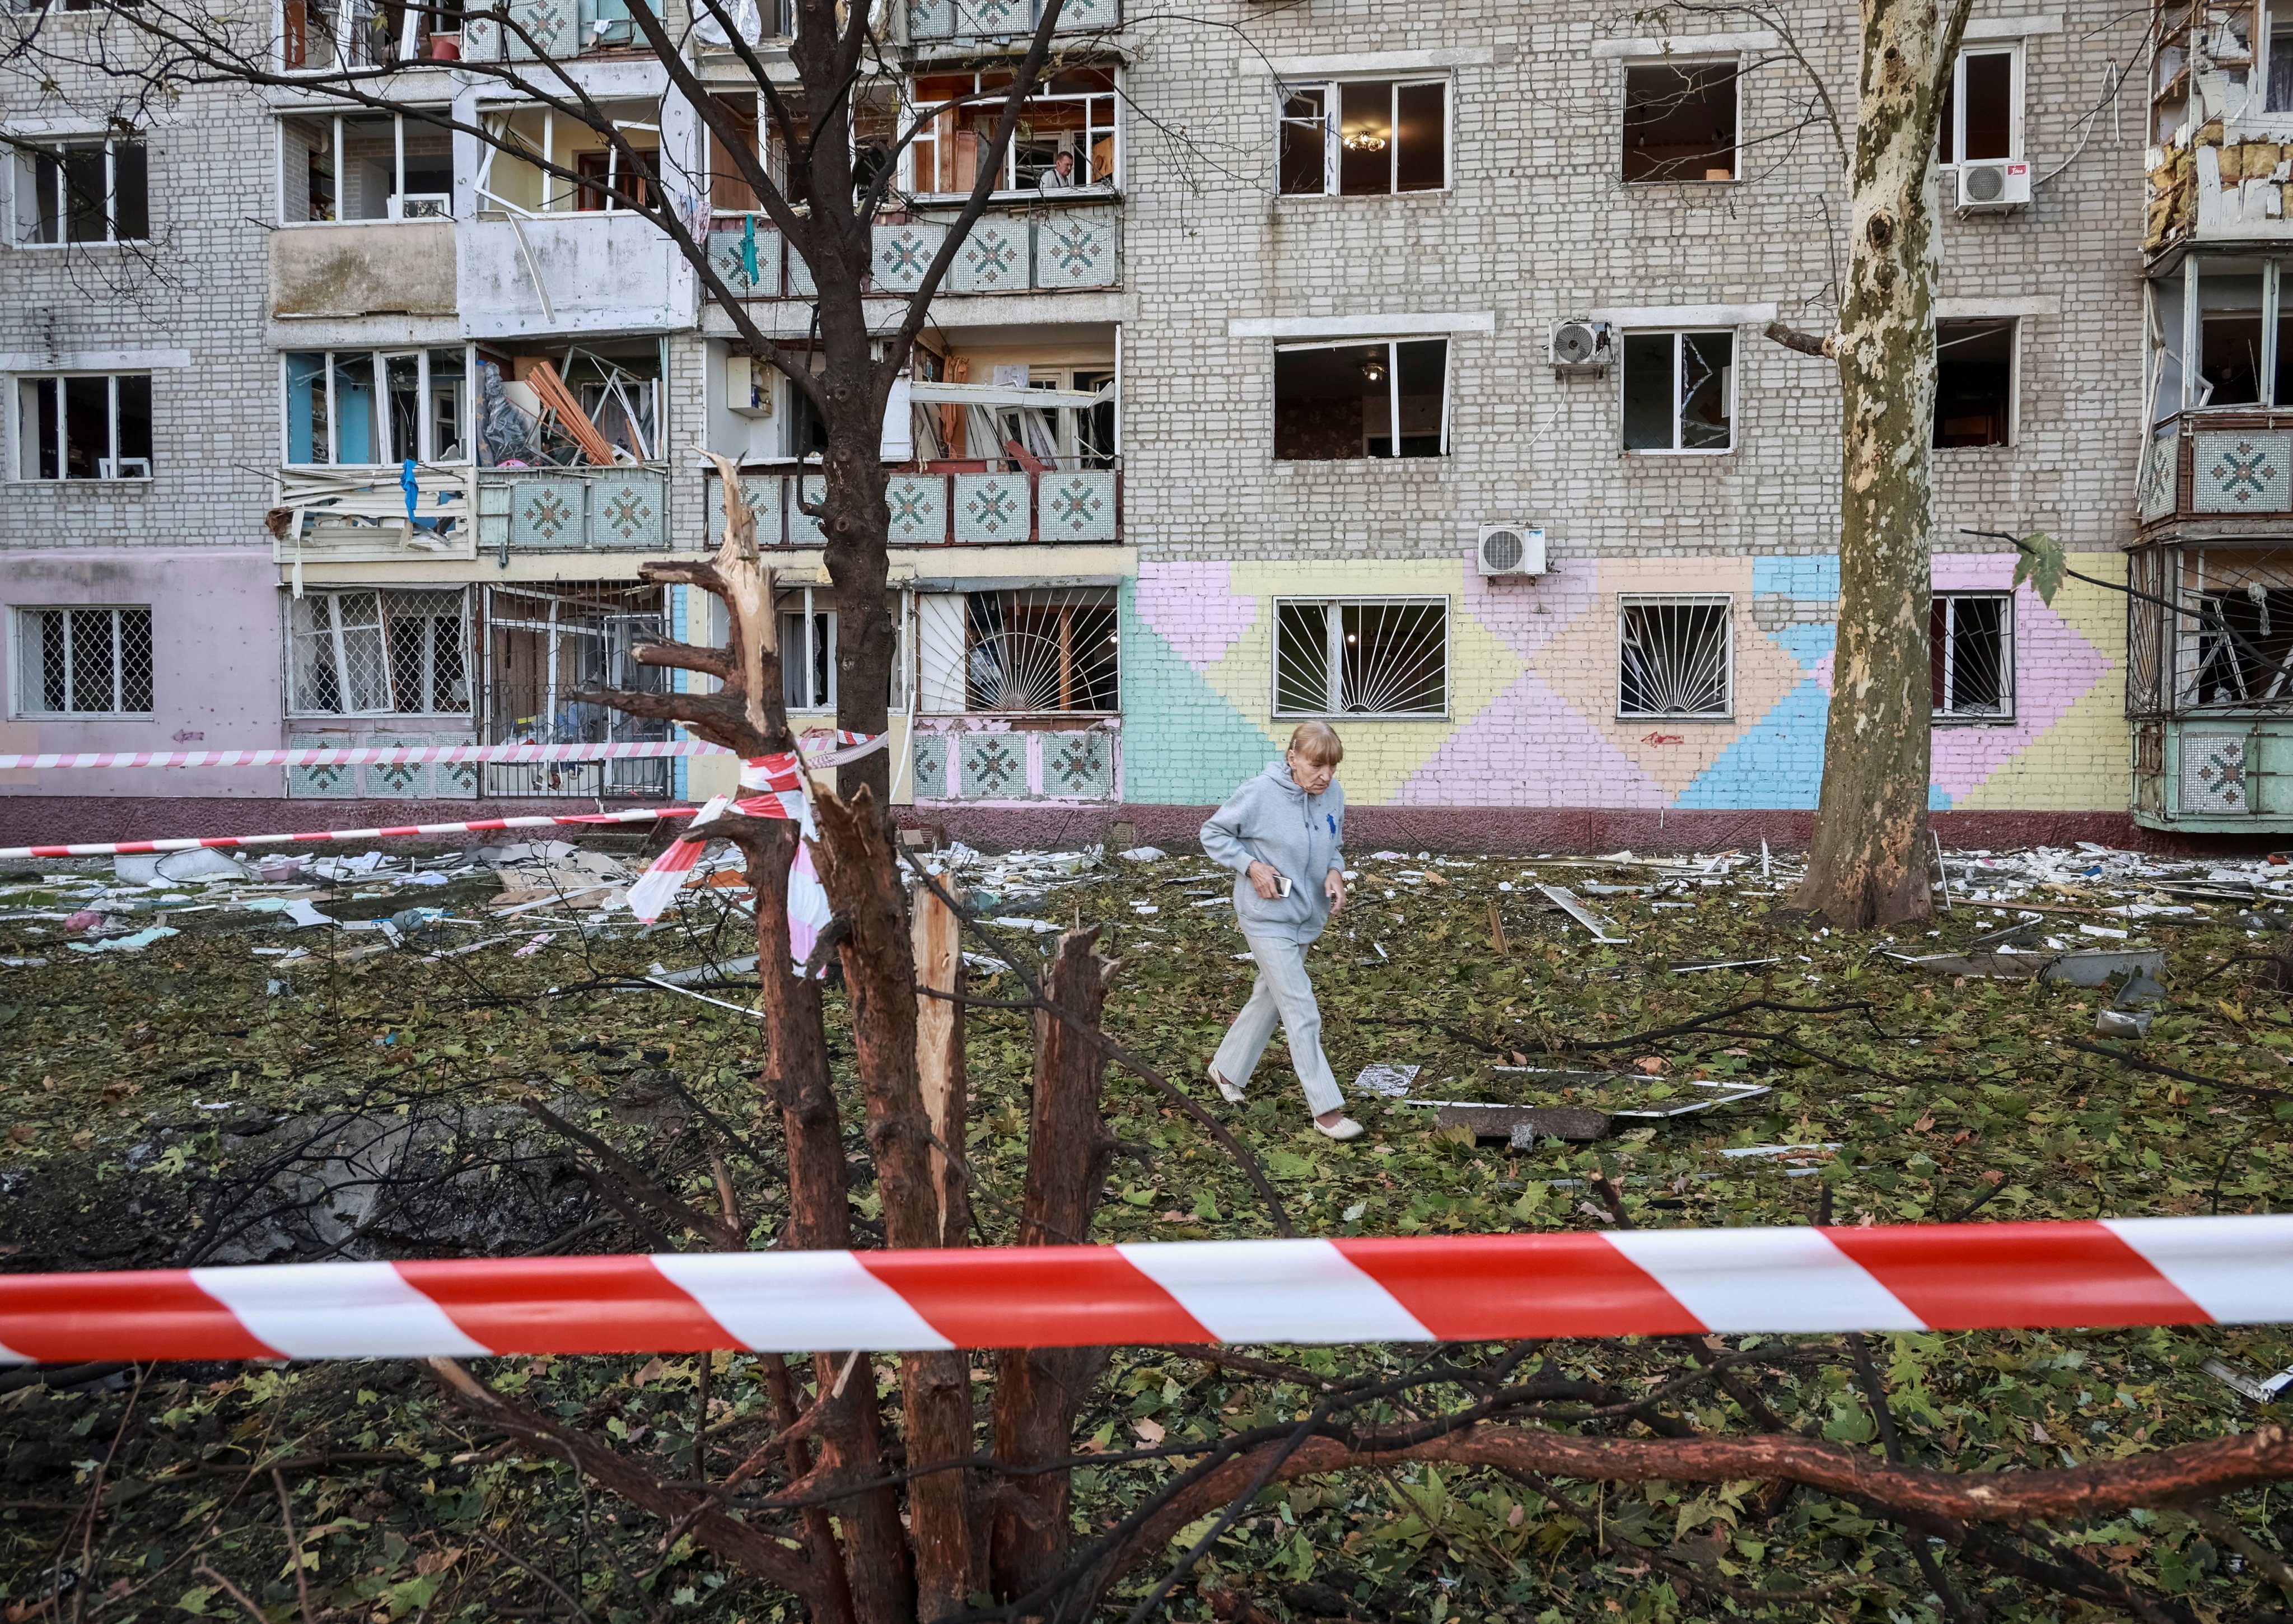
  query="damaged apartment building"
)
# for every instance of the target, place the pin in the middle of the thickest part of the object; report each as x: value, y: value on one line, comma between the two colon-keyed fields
x: 1401, y: 365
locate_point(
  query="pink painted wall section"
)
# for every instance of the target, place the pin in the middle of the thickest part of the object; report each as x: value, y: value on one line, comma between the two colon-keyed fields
x: 1194, y: 609
x: 215, y: 668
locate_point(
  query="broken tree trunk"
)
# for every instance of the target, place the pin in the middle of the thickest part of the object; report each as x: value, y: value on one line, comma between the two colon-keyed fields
x: 1869, y: 863
x: 1039, y: 1390
x: 940, y: 1068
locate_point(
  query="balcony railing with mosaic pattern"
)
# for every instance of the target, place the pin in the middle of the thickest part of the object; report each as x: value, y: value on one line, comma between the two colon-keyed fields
x: 2216, y: 464
x: 574, y: 509
x: 1050, y: 247
x: 930, y: 21
x: 935, y: 509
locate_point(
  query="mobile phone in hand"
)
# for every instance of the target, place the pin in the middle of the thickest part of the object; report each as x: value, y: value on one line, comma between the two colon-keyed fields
x: 1282, y: 885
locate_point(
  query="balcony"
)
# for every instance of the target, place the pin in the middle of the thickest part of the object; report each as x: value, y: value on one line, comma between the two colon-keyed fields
x: 621, y: 509
x: 404, y: 268
x: 362, y: 516
x: 936, y: 507
x: 2219, y: 161
x: 972, y: 21
x: 582, y: 272
x: 1040, y: 248
x: 2217, y: 466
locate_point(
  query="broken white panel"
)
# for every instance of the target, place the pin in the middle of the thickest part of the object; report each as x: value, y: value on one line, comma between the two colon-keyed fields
x: 1602, y: 928
x: 1388, y: 1079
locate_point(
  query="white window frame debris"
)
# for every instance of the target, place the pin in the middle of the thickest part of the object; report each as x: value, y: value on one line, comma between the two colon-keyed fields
x: 425, y: 450
x: 110, y: 464
x: 1336, y: 699
x: 24, y: 230
x: 1679, y: 337
x: 1953, y: 140
x: 425, y: 208
x: 30, y: 696
x: 1947, y: 713
x: 1724, y: 602
x: 1332, y: 122
x: 371, y: 618
x: 558, y: 195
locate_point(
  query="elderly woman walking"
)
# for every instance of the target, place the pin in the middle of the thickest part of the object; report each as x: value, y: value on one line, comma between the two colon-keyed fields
x: 1282, y: 833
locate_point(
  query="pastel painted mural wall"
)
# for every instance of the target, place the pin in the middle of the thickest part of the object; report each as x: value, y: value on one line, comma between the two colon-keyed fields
x: 1533, y: 689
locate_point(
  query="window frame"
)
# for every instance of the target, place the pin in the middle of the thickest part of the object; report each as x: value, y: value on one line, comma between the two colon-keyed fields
x: 810, y: 616
x: 1725, y: 602
x: 920, y: 116
x: 1332, y: 605
x: 1956, y: 134
x: 19, y: 707
x: 1727, y: 59
x: 396, y: 207
x: 25, y: 470
x: 417, y: 24
x: 1940, y: 716
x: 2014, y: 383
x: 1447, y: 341
x: 379, y: 361
x: 24, y: 172
x: 1729, y: 387
x: 1332, y: 121
x: 381, y: 593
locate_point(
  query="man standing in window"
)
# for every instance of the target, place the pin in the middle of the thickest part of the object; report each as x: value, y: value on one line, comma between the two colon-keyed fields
x: 1060, y: 176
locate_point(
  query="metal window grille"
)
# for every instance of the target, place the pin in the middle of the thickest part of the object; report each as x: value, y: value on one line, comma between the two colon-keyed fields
x: 543, y: 645
x: 1361, y: 657
x: 1031, y: 651
x: 1675, y: 657
x: 378, y: 653
x: 2230, y: 630
x: 80, y: 661
x: 1971, y: 651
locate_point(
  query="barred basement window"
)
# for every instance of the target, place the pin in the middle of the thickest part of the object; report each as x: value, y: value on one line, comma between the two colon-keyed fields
x: 83, y: 427
x: 1971, y: 651
x: 1675, y: 659
x: 1361, y: 657
x: 83, y: 661
x: 1041, y: 649
x: 378, y: 653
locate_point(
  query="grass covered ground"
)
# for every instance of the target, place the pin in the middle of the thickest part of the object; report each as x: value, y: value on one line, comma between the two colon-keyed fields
x: 175, y: 1105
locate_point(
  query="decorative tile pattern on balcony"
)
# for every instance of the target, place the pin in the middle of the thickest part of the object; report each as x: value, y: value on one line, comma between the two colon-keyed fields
x: 455, y: 779
x: 630, y: 511
x: 919, y: 507
x: 395, y: 780
x: 994, y: 259
x: 1078, y: 766
x: 931, y: 19
x: 1079, y: 506
x: 904, y: 252
x: 725, y: 259
x: 2241, y: 472
x: 993, y: 766
x: 2157, y: 494
x: 2213, y: 774
x: 930, y: 767
x: 1090, y: 14
x: 975, y: 18
x: 481, y: 39
x: 763, y: 496
x: 991, y: 507
x: 803, y: 530
x: 552, y: 25
x: 321, y: 783
x: 1076, y: 248
x: 799, y: 283
x: 548, y: 512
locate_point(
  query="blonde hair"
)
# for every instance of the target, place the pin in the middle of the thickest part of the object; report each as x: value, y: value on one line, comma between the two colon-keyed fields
x: 1319, y: 743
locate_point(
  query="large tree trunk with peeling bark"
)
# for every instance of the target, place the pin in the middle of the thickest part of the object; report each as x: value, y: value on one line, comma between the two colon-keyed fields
x: 1869, y: 863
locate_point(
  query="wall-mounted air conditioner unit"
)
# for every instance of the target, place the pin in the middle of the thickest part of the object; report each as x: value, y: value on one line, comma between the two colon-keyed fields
x: 1999, y: 183
x: 1510, y: 550
x: 422, y: 205
x: 1578, y: 345
x: 748, y: 385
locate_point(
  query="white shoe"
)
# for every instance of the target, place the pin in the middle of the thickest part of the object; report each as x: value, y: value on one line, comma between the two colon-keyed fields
x: 1230, y: 1091
x: 1346, y: 1128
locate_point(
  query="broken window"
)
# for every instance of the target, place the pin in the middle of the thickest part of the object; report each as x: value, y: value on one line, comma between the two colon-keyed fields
x: 1674, y: 658
x: 83, y: 661
x: 1361, y: 657
x: 729, y: 192
x: 543, y: 645
x: 1680, y: 392
x: 611, y: 181
x: 2277, y: 55
x: 1333, y: 402
x: 1982, y: 118
x: 519, y: 165
x: 1971, y: 655
x: 1072, y: 116
x: 1037, y: 650
x: 365, y: 166
x: 2230, y: 326
x: 82, y: 191
x: 366, y: 407
x: 1680, y: 121
x: 807, y: 652
x: 1364, y: 137
x: 84, y: 427
x: 378, y: 653
x: 1974, y: 382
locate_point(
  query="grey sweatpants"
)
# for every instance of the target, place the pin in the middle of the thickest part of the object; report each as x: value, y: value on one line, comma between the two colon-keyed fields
x: 1284, y: 995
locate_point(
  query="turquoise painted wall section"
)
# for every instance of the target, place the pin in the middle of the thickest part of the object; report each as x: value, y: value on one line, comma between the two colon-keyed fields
x: 1183, y: 744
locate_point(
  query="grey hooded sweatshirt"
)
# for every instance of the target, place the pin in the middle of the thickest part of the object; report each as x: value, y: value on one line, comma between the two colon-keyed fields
x: 1271, y: 820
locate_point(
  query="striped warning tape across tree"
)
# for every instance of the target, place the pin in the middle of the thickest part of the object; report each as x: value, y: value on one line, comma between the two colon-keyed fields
x: 2122, y: 1271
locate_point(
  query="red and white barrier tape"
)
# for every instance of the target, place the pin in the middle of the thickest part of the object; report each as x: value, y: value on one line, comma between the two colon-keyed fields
x: 868, y: 744
x: 413, y: 754
x: 1435, y: 1289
